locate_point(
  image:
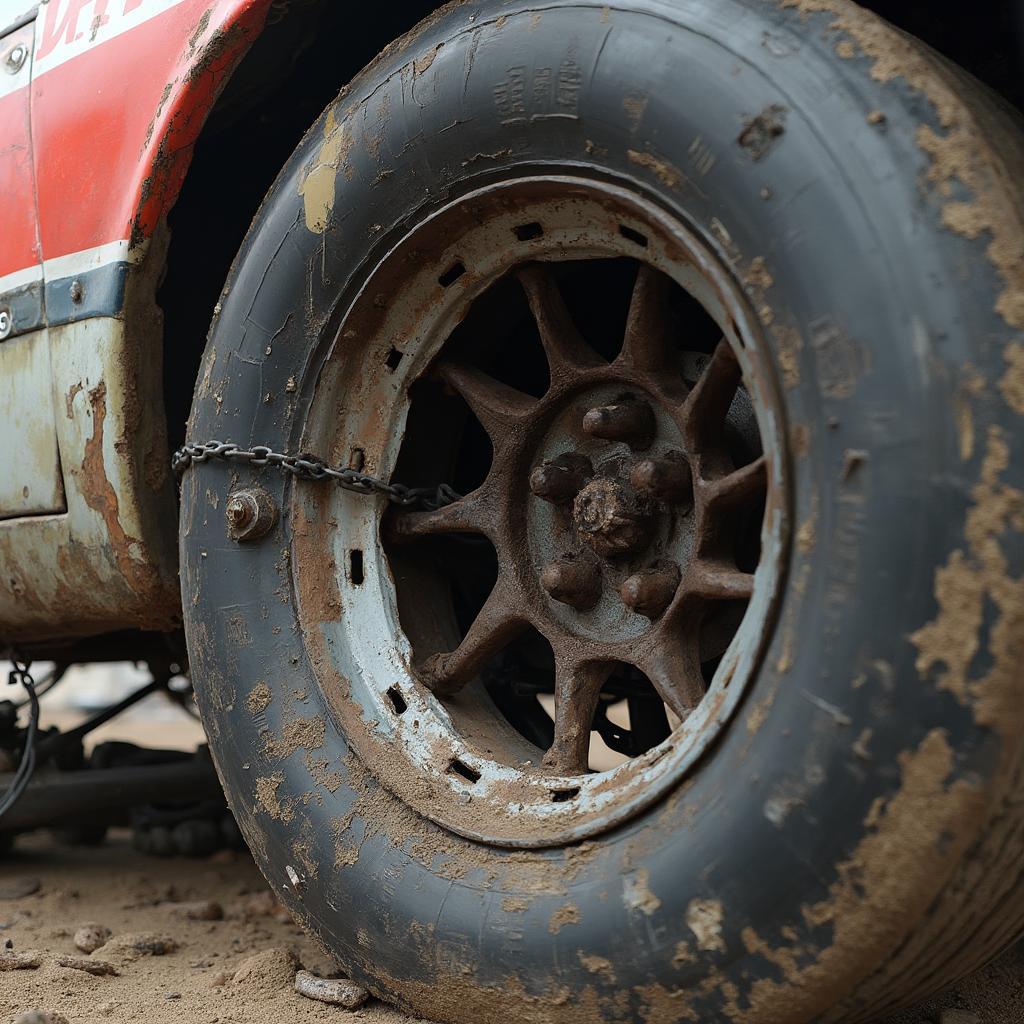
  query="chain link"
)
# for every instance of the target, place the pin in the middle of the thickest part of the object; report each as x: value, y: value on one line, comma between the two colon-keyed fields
x: 309, y: 467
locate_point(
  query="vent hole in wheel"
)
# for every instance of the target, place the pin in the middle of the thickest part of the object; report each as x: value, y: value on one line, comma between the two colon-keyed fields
x: 393, y: 359
x: 632, y: 235
x: 451, y: 275
x: 457, y: 767
x: 355, y: 564
x: 397, y: 701
x: 526, y: 232
x: 561, y: 796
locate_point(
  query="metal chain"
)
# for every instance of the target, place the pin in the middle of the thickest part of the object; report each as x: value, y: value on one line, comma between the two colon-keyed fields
x: 309, y: 467
x: 20, y: 674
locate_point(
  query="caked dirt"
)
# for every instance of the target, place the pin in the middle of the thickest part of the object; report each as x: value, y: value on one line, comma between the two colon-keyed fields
x: 205, y: 942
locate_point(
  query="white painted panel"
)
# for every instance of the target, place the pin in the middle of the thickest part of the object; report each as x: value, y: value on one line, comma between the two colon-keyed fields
x: 30, y: 474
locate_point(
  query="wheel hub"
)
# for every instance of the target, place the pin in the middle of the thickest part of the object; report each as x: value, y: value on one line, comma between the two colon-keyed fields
x: 609, y: 500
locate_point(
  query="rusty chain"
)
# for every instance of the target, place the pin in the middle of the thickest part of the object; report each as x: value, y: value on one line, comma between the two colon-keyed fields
x: 20, y: 673
x: 309, y: 467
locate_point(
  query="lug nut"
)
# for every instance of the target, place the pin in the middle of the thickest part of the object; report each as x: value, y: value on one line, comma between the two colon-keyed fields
x: 561, y: 479
x: 649, y: 593
x: 630, y: 420
x: 250, y: 514
x: 573, y: 581
x: 667, y: 479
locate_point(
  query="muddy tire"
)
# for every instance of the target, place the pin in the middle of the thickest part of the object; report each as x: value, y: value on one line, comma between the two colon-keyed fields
x: 834, y: 830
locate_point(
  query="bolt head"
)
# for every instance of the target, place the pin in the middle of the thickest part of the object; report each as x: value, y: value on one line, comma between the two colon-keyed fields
x: 668, y: 479
x: 16, y: 58
x: 630, y: 420
x: 649, y: 593
x: 560, y: 480
x: 250, y: 514
x: 573, y: 581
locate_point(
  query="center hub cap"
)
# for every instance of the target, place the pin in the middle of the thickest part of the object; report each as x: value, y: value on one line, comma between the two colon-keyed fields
x: 611, y: 518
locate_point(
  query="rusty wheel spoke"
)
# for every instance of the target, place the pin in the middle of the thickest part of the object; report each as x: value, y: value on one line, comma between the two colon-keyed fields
x: 672, y: 664
x: 719, y: 581
x: 497, y: 406
x: 742, y: 485
x: 467, y: 515
x: 647, y: 345
x: 577, y: 690
x: 706, y: 407
x: 564, y: 346
x: 497, y: 624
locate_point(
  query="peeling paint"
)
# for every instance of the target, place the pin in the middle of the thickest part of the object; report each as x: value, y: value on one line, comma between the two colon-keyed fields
x: 319, y: 187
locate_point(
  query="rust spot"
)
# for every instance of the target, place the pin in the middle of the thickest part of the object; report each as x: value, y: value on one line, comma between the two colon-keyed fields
x: 99, y: 494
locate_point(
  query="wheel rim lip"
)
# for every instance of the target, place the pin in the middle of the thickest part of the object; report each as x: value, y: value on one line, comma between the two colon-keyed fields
x: 357, y: 698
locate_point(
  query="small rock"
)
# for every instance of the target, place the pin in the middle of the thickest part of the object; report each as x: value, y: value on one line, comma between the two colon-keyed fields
x: 40, y: 1017
x: 959, y: 1017
x: 200, y: 910
x: 172, y: 995
x: 87, y: 964
x: 19, y: 888
x: 220, y: 979
x: 91, y: 936
x: 336, y: 991
x: 11, y: 961
x: 131, y: 947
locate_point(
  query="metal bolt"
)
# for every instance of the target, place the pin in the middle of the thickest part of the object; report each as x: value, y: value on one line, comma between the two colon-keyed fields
x: 609, y: 518
x: 77, y: 292
x: 561, y: 479
x: 250, y: 514
x: 16, y: 57
x: 6, y: 323
x: 650, y: 592
x: 629, y: 420
x: 667, y: 479
x: 573, y: 581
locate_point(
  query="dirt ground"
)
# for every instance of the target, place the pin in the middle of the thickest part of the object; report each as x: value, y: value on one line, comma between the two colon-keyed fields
x: 238, y: 968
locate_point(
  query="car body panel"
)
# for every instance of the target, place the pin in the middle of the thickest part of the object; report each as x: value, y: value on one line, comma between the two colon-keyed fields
x: 118, y: 93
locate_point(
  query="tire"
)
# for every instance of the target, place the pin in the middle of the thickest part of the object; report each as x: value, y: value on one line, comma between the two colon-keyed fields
x: 850, y: 843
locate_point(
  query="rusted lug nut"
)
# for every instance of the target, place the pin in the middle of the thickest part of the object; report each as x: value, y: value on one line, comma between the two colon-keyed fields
x: 251, y: 514
x: 667, y: 479
x: 561, y: 479
x: 630, y: 420
x: 649, y: 593
x: 573, y: 581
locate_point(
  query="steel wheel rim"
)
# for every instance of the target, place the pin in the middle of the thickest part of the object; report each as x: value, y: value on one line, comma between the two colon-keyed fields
x: 379, y: 689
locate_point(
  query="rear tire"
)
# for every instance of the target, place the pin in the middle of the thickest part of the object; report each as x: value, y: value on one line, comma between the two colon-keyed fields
x: 850, y: 842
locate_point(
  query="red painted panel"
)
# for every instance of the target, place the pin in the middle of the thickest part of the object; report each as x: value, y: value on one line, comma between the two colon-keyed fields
x: 19, y: 249
x: 114, y: 127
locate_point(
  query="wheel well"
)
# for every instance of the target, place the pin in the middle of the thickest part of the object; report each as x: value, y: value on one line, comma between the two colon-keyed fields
x: 309, y: 50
